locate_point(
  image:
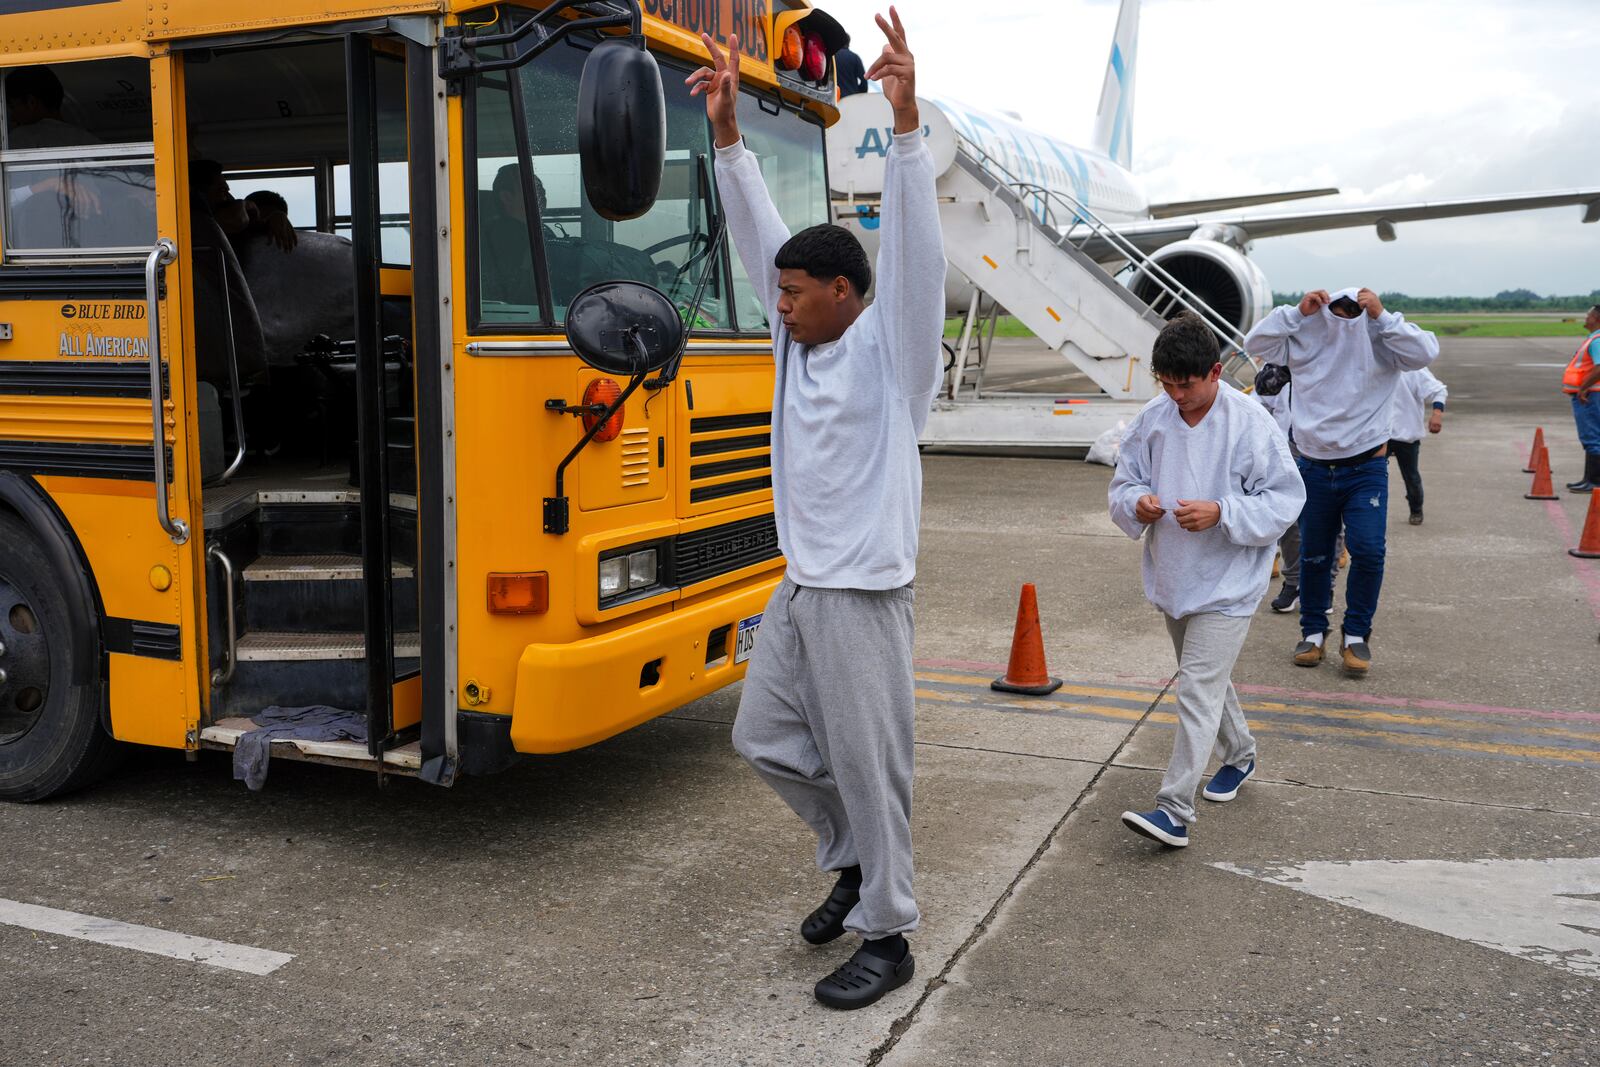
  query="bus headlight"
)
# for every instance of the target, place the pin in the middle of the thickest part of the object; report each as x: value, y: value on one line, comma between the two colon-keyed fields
x: 613, y: 577
x: 630, y: 572
x: 642, y: 569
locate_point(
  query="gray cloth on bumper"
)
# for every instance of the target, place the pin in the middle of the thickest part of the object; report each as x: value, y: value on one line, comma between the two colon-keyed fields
x: 316, y: 723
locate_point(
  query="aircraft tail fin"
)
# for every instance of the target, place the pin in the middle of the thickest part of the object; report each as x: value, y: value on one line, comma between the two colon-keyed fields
x: 1113, y: 124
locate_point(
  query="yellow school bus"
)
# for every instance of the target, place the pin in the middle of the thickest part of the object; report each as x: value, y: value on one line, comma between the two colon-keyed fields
x: 291, y: 412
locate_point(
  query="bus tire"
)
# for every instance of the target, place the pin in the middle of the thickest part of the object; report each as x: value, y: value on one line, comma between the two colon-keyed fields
x: 51, y: 739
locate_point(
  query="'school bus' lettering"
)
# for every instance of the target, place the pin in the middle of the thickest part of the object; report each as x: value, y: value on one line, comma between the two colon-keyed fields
x: 747, y: 18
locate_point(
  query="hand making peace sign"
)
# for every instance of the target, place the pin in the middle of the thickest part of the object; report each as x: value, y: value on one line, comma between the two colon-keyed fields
x: 720, y: 84
x: 896, y: 71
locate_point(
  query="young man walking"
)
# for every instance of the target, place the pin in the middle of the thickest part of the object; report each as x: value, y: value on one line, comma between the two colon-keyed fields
x: 1346, y: 355
x: 827, y: 711
x: 1419, y: 391
x: 1207, y: 480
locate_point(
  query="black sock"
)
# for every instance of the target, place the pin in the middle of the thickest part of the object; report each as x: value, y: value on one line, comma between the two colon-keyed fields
x: 891, y: 949
x: 850, y: 878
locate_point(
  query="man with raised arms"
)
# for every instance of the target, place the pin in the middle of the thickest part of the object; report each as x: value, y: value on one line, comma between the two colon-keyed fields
x: 826, y: 715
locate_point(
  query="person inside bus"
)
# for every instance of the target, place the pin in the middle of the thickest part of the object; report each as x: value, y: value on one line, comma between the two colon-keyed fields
x: 225, y: 316
x: 303, y: 284
x: 34, y: 97
x: 268, y: 215
x: 506, y: 255
x: 827, y: 712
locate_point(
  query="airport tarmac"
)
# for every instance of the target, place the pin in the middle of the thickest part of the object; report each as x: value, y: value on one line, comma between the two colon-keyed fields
x: 1413, y: 877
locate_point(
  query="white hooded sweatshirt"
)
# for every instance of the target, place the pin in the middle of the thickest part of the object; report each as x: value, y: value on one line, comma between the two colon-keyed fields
x: 1344, y: 373
x: 1418, y: 391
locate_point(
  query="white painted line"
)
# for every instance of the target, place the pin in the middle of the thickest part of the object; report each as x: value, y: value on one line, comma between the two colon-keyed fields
x: 1547, y: 911
x: 142, y: 938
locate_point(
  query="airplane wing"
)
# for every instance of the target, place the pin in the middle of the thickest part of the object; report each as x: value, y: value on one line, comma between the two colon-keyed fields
x: 1149, y: 236
x: 1228, y: 203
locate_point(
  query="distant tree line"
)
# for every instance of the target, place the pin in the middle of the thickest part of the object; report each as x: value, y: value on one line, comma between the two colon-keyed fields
x: 1506, y: 300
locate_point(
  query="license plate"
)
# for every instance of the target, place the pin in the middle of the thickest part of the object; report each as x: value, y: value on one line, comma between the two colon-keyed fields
x: 745, y: 640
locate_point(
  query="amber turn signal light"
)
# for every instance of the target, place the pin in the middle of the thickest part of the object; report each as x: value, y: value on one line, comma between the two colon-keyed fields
x: 794, y: 49
x: 520, y: 593
x: 604, y: 392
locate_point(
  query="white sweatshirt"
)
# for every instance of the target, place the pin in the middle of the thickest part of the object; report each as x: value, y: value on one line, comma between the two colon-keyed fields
x: 1416, y: 394
x: 846, y: 474
x: 1280, y: 406
x: 1237, y: 457
x: 1344, y: 373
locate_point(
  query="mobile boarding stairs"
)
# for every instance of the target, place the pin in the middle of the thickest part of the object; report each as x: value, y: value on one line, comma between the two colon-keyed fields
x: 1023, y: 247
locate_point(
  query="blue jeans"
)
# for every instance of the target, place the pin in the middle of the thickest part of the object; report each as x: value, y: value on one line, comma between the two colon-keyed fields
x: 1358, y: 499
x: 1587, y: 417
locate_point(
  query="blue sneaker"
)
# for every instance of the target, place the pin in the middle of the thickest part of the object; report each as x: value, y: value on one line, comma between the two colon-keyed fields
x: 1224, y: 785
x: 1157, y: 826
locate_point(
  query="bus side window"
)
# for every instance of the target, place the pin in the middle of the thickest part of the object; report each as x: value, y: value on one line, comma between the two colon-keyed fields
x: 77, y: 160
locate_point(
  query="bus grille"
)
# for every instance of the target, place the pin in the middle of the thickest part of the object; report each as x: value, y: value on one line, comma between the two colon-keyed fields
x: 729, y: 455
x: 723, y: 549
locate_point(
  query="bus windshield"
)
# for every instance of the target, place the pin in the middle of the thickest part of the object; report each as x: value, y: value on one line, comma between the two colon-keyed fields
x: 667, y: 247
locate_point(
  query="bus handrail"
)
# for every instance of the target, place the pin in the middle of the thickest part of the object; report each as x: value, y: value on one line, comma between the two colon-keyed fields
x: 237, y: 395
x: 221, y: 676
x: 1081, y: 215
x: 165, y: 251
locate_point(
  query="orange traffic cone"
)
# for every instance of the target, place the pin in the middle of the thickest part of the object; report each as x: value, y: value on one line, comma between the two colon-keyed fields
x: 1542, y: 489
x: 1026, y: 672
x: 1589, y: 543
x: 1533, y: 453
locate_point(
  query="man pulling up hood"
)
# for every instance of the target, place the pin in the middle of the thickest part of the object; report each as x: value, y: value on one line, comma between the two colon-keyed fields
x: 1344, y: 369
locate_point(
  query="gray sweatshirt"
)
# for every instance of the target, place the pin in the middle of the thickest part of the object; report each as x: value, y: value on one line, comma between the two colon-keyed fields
x: 1237, y: 457
x: 1344, y: 372
x: 846, y: 475
x: 1418, y: 392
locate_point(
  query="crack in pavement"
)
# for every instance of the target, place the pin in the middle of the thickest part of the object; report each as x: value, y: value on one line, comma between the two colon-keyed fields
x: 902, y: 1025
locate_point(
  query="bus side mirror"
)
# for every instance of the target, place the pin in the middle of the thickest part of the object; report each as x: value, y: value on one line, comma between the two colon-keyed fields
x: 624, y: 328
x: 622, y: 129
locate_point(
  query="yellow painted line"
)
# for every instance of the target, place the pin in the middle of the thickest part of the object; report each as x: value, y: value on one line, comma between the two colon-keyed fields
x: 1560, y: 755
x: 992, y: 264
x: 1402, y: 719
x: 1165, y: 718
x: 1399, y: 718
x: 977, y: 681
x: 1126, y: 714
x: 1052, y: 311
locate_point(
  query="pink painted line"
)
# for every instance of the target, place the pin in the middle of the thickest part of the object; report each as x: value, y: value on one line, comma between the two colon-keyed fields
x: 1364, y: 699
x: 1587, y: 574
x: 1585, y: 570
x: 1410, y: 703
x: 998, y: 669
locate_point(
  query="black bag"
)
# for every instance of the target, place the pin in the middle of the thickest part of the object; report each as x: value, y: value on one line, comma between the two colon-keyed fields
x: 1271, y: 379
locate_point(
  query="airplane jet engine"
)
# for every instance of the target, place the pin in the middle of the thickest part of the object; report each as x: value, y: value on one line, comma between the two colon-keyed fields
x: 1219, y: 275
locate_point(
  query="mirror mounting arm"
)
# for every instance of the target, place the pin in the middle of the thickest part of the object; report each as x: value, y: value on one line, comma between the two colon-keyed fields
x: 557, y: 514
x: 457, y: 52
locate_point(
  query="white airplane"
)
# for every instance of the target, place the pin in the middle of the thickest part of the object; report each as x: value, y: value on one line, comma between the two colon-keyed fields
x: 1198, y: 242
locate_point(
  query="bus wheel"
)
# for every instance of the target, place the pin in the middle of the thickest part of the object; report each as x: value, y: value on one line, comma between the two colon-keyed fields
x: 51, y: 740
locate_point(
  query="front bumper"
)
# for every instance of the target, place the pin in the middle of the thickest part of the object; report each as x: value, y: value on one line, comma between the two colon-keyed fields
x: 576, y: 694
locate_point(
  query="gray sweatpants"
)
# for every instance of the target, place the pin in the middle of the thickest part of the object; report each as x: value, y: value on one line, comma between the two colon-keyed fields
x: 826, y: 718
x: 1209, y: 715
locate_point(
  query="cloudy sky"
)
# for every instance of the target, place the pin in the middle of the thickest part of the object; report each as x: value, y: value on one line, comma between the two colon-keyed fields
x: 1390, y: 100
